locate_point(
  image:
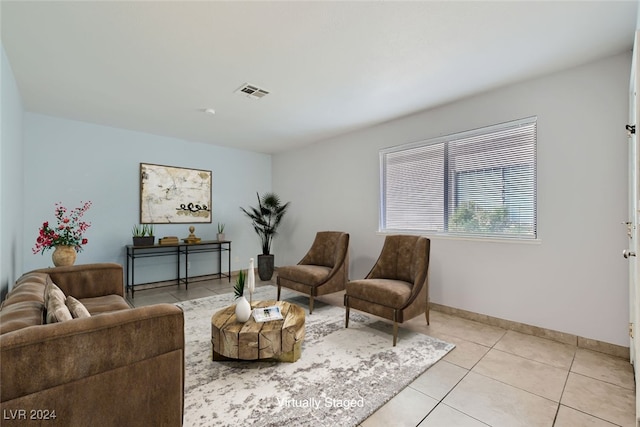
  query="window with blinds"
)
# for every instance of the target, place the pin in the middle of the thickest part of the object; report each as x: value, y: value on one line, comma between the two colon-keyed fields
x: 479, y: 183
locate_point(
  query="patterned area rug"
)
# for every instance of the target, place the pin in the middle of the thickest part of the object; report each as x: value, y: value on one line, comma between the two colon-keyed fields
x: 342, y: 377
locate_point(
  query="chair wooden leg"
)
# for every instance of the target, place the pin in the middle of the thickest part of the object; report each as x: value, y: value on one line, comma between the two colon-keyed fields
x: 395, y: 333
x: 426, y: 313
x: 278, y: 297
x: 310, y: 304
x: 346, y: 319
x: 346, y: 311
x: 395, y: 327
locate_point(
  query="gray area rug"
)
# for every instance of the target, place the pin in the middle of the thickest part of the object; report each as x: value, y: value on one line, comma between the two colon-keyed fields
x: 342, y: 377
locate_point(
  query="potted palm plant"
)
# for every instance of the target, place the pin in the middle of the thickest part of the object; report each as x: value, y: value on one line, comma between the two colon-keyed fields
x: 265, y: 219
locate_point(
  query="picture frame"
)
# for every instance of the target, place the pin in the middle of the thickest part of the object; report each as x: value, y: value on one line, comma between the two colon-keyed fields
x: 171, y: 194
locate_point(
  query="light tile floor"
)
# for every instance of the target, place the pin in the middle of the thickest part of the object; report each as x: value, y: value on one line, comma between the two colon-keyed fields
x: 494, y: 377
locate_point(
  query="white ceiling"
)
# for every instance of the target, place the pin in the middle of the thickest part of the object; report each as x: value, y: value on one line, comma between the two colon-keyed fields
x: 331, y: 67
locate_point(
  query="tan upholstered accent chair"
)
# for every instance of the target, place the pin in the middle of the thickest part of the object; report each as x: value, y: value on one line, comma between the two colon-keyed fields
x: 323, y: 270
x: 397, y: 287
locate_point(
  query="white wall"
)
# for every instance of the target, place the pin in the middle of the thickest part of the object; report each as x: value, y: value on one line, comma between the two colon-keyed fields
x: 70, y: 162
x: 11, y: 183
x: 573, y: 280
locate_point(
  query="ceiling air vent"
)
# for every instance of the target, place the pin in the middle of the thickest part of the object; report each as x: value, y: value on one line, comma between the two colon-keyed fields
x: 252, y: 91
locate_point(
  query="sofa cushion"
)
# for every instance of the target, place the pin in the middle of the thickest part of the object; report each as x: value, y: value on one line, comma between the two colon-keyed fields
x: 57, y: 311
x: 25, y: 292
x: 29, y: 287
x: 104, y: 304
x: 20, y: 315
x: 52, y: 291
x: 32, y: 277
x: 76, y: 308
x: 54, y: 303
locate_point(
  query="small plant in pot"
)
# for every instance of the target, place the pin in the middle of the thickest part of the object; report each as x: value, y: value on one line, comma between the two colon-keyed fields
x: 266, y: 218
x: 238, y: 289
x: 220, y: 232
x: 143, y: 235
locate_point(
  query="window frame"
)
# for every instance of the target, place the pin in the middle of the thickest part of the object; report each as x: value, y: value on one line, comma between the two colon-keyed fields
x: 446, y: 188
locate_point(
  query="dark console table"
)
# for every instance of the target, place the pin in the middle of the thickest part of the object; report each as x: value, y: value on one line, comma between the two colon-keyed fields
x: 176, y: 250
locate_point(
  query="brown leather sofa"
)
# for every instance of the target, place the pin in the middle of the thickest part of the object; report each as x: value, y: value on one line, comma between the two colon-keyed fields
x: 121, y: 366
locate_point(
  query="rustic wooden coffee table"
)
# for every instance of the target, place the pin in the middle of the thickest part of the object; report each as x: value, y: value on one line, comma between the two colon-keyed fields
x: 275, y: 339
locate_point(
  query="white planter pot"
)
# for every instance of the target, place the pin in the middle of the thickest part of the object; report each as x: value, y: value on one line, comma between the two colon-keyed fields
x: 243, y: 309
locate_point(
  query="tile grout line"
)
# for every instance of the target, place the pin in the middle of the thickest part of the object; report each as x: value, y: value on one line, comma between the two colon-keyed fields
x: 564, y: 387
x: 441, y: 401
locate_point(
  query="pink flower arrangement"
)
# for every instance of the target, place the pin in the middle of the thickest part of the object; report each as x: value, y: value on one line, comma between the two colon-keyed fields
x: 68, y: 231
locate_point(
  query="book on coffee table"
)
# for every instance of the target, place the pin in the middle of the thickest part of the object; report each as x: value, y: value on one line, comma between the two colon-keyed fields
x: 265, y: 314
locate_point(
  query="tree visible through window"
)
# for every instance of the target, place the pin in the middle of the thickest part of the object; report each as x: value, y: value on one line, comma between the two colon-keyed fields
x: 480, y: 182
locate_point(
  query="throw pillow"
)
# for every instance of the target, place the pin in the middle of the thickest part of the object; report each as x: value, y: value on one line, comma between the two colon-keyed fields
x: 51, y: 290
x: 77, y: 309
x: 57, y: 311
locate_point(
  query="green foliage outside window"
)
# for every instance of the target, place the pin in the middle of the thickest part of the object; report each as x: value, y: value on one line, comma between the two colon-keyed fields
x: 471, y: 218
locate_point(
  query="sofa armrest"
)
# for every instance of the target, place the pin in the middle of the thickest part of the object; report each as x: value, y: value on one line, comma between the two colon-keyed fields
x: 43, y: 357
x: 88, y: 280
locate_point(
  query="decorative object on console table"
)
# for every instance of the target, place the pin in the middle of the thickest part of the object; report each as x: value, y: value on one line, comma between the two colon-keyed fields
x: 66, y: 235
x: 220, y: 232
x: 265, y: 220
x: 191, y: 238
x: 243, y: 308
x: 143, y: 235
x: 169, y: 240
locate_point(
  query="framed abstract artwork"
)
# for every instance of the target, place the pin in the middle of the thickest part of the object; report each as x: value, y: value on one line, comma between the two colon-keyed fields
x: 171, y: 194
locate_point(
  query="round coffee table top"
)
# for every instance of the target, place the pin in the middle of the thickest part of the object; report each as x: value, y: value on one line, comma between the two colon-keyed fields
x: 251, y: 340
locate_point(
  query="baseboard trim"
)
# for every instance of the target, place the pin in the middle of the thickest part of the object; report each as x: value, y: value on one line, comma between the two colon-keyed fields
x: 563, y: 337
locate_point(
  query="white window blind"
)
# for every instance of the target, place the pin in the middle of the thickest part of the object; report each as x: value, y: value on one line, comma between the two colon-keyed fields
x: 480, y: 183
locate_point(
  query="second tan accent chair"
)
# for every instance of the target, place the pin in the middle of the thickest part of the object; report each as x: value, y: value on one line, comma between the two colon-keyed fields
x: 323, y: 270
x: 397, y: 287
